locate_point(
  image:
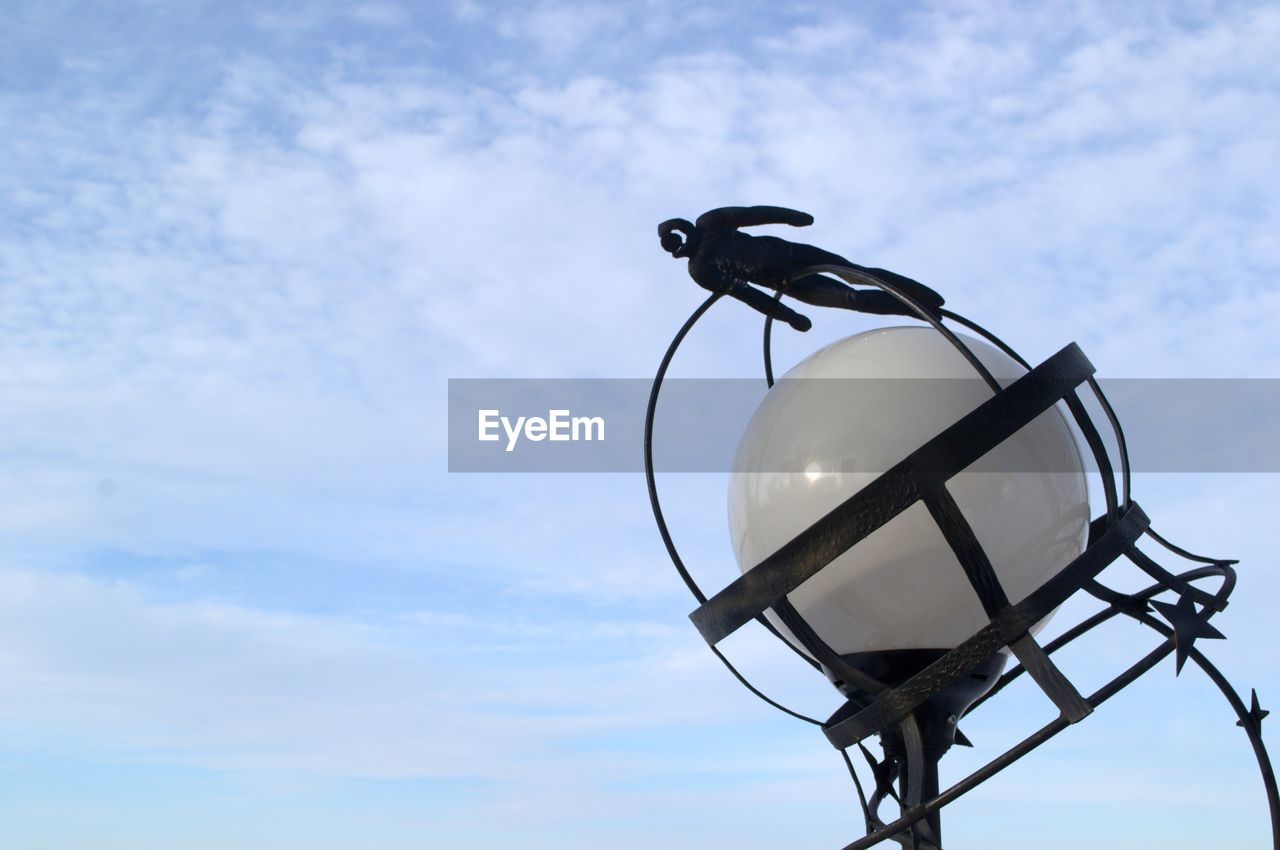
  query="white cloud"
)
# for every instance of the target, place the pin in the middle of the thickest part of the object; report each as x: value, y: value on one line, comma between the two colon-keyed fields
x: 249, y: 690
x: 557, y: 29
x: 379, y: 14
x: 246, y: 297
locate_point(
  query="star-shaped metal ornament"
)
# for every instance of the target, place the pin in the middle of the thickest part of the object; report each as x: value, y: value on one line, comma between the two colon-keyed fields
x: 884, y: 773
x: 1256, y: 712
x: 1134, y: 605
x: 1188, y: 625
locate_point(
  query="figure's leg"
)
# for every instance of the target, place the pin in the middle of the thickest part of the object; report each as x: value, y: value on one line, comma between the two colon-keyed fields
x: 822, y: 291
x: 825, y: 292
x: 807, y: 255
x: 912, y: 288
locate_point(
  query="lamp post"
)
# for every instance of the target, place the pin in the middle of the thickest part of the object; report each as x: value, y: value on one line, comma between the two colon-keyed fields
x: 908, y: 536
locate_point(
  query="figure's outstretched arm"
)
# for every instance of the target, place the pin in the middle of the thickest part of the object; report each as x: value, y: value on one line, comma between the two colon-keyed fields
x: 753, y: 216
x: 715, y: 279
x: 768, y: 305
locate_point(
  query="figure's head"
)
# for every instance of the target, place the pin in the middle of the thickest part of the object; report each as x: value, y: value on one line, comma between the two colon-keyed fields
x: 677, y: 237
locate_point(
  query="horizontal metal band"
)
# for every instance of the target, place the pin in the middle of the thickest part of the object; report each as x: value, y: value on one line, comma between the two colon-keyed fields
x: 1010, y: 624
x: 958, y: 446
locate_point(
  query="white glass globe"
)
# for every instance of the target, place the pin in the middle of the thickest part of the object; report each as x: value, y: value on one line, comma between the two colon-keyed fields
x: 813, y: 442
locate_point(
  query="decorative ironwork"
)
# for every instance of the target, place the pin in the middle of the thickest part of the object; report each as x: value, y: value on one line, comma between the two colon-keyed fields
x: 911, y: 717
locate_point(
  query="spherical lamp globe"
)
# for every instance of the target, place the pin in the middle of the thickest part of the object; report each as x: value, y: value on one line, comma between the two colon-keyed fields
x: 847, y: 413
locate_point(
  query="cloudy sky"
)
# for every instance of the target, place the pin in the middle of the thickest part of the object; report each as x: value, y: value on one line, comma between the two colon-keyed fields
x: 242, y: 602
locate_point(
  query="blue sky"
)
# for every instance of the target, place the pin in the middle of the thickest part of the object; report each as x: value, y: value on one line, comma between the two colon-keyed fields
x: 245, y: 246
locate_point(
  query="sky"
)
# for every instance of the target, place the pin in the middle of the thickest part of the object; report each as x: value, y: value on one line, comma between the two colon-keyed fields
x: 244, y: 604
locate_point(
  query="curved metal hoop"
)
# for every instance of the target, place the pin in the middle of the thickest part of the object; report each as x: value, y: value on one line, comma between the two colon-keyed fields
x: 656, y: 504
x: 1118, y: 507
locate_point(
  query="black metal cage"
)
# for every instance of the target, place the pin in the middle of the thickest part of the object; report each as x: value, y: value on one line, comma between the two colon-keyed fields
x: 903, y: 714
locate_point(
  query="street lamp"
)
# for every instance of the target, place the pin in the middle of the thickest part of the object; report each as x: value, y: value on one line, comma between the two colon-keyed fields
x: 909, y: 506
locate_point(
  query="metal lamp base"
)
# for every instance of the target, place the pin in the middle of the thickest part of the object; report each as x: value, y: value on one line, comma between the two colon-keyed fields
x: 937, y: 719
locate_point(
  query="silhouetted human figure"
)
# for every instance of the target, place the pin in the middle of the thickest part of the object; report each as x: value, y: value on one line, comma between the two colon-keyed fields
x: 723, y: 260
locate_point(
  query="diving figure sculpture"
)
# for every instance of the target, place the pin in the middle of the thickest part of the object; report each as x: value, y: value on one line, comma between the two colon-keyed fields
x: 725, y: 260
